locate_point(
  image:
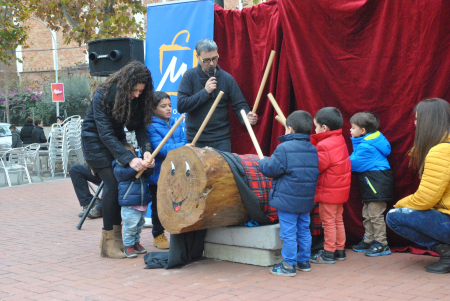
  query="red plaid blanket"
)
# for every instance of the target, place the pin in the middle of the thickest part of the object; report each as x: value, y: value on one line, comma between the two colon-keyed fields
x: 259, y: 184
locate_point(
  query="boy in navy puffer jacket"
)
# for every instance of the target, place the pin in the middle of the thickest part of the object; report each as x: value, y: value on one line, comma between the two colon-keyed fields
x: 134, y: 197
x: 370, y: 149
x: 294, y: 169
x: 157, y: 130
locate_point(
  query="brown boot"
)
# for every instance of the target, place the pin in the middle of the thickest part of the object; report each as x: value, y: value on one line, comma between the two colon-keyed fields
x: 161, y: 242
x: 118, y: 237
x: 109, y: 247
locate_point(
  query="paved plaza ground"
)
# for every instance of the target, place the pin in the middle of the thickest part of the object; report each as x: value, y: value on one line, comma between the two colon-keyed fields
x: 44, y: 257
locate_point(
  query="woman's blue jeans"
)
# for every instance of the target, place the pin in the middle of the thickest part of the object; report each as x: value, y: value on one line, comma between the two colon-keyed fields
x: 427, y: 228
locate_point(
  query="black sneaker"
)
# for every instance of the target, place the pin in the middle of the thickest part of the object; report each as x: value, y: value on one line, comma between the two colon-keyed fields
x: 283, y: 269
x: 323, y: 256
x: 139, y: 248
x: 378, y: 249
x: 362, y: 246
x: 340, y: 255
x: 304, y: 267
x: 130, y: 252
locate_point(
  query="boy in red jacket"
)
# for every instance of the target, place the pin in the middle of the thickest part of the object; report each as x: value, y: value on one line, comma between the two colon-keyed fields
x: 333, y: 187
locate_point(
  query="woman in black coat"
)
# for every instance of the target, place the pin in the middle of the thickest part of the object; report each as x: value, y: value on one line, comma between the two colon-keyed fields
x: 26, y: 131
x: 124, y: 99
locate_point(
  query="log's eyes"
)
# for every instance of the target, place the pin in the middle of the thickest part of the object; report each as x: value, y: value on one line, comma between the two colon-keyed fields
x: 188, y: 170
x: 173, y: 169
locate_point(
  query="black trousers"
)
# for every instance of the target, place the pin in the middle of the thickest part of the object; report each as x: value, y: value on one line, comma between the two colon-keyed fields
x: 158, y: 229
x: 110, y: 201
x: 80, y: 176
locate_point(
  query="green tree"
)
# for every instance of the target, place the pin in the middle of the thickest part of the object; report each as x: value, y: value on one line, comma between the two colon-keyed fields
x: 81, y: 21
x: 86, y: 20
x: 13, y: 32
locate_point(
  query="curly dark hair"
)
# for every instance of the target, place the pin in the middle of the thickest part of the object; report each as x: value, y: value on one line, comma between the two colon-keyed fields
x: 126, y: 80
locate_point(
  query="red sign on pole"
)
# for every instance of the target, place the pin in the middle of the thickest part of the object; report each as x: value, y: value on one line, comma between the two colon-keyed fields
x: 58, y: 92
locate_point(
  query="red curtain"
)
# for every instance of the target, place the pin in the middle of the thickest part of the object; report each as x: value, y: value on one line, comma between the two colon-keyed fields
x: 382, y: 56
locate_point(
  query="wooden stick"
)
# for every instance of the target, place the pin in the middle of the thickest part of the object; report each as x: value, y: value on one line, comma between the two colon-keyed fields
x: 278, y: 118
x: 205, y: 122
x: 252, y: 134
x: 263, y: 82
x: 277, y: 108
x: 156, y: 151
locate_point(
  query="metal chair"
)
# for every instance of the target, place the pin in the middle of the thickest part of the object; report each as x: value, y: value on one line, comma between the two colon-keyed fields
x: 33, y: 159
x: 14, y: 160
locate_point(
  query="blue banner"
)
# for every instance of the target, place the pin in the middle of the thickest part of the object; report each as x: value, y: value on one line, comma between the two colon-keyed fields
x: 173, y: 30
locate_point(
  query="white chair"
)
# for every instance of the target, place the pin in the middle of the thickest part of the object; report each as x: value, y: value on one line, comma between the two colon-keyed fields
x: 14, y: 160
x: 33, y: 159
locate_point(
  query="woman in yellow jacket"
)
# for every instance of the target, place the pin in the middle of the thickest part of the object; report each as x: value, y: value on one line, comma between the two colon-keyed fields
x: 424, y: 217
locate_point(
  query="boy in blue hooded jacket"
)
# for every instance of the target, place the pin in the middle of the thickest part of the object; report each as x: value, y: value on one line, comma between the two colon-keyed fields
x: 294, y: 167
x: 134, y: 197
x: 369, y: 162
x: 157, y: 130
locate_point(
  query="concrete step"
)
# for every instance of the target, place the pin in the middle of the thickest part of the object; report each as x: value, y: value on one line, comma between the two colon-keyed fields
x: 245, y: 255
x: 263, y: 237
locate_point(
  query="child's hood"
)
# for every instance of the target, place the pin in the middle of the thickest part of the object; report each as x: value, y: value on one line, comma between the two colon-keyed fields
x: 293, y: 136
x: 316, y: 138
x: 376, y: 140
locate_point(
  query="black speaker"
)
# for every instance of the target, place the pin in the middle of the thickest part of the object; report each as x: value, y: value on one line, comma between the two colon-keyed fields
x: 107, y: 56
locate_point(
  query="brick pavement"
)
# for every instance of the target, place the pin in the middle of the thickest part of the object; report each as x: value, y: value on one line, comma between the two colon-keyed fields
x: 44, y: 257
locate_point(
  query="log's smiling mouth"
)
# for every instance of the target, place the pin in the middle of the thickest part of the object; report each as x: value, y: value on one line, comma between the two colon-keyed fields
x: 177, y: 206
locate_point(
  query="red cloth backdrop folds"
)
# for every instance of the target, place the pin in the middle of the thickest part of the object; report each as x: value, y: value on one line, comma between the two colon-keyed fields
x: 382, y: 56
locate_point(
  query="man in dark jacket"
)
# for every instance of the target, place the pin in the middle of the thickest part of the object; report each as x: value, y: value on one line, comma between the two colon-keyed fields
x: 26, y: 132
x: 197, y: 92
x: 294, y: 167
x: 16, y: 142
x: 38, y: 135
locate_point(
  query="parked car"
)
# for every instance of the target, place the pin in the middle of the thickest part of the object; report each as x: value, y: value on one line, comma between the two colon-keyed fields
x: 5, y: 134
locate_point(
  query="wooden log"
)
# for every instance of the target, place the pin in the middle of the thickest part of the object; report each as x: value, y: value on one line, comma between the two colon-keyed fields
x: 263, y: 82
x: 197, y: 190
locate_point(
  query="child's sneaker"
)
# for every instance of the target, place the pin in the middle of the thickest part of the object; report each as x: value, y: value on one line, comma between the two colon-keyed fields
x: 283, y: 269
x: 130, y: 252
x: 362, y: 246
x: 304, y: 267
x: 378, y: 249
x: 340, y: 255
x: 323, y: 256
x: 139, y: 248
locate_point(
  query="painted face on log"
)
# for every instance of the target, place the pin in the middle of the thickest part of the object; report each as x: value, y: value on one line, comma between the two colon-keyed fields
x: 177, y: 206
x: 195, y: 187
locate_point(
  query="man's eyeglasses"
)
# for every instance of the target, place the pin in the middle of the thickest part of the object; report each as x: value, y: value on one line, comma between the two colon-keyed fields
x: 207, y: 61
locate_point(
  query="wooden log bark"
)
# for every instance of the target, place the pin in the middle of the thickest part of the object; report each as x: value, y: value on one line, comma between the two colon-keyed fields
x: 197, y: 190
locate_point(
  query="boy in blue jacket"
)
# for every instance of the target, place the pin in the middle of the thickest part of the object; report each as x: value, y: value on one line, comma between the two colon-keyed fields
x: 369, y: 162
x: 157, y: 130
x: 294, y: 167
x: 134, y: 197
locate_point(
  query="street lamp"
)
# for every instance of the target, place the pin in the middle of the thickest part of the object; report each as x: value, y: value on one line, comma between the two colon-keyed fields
x: 55, y: 57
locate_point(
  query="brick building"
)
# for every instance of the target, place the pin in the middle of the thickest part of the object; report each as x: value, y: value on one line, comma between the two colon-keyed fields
x: 38, y: 61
